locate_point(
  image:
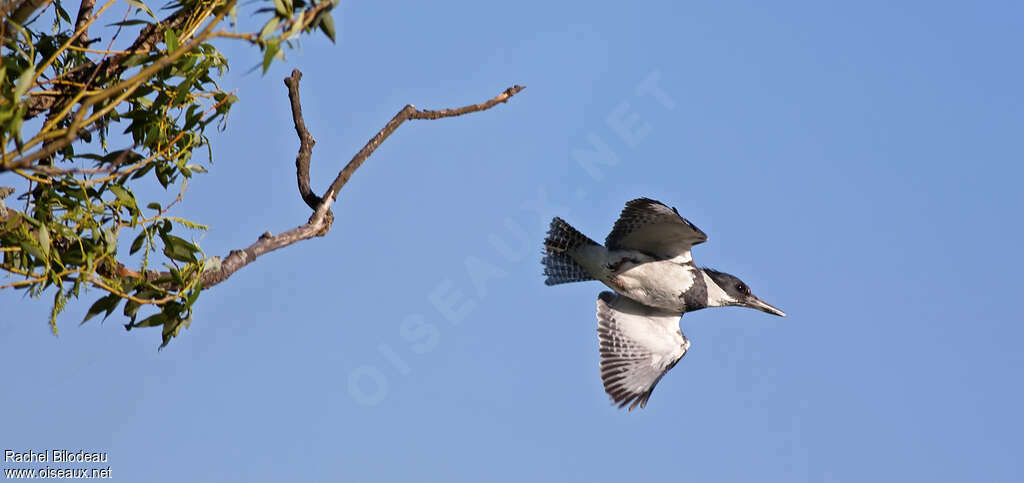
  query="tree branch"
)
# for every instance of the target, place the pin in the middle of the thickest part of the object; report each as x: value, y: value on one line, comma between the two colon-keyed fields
x: 24, y: 9
x: 240, y: 258
x: 122, y: 88
x: 82, y: 21
x: 306, y: 141
x: 320, y: 222
x: 148, y: 38
x: 410, y: 112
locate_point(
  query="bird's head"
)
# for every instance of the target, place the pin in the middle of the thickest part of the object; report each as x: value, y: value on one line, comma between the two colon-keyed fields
x: 735, y: 292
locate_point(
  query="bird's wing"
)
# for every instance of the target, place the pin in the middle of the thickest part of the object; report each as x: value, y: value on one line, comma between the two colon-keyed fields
x: 653, y: 228
x: 639, y: 344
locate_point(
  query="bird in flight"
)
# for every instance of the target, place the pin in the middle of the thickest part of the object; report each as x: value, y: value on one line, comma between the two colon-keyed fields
x: 646, y: 261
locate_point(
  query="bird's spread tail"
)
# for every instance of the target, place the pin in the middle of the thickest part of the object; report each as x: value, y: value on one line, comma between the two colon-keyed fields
x: 559, y: 267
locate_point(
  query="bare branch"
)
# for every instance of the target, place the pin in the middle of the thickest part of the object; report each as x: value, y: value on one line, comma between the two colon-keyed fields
x: 240, y: 258
x: 483, y: 106
x: 320, y: 222
x: 410, y: 112
x: 306, y: 141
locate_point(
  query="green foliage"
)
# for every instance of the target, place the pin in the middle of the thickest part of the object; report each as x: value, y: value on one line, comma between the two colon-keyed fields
x: 156, y: 99
x: 290, y: 19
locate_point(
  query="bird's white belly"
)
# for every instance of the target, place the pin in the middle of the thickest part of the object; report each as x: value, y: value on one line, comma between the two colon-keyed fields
x: 655, y: 283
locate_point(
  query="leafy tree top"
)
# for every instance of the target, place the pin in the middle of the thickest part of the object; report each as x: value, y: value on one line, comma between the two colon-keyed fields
x: 86, y: 122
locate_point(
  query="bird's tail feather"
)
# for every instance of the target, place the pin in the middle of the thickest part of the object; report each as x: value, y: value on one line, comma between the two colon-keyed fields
x: 559, y: 267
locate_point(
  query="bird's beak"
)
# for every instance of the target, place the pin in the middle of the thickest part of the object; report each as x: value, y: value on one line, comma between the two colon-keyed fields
x: 763, y: 306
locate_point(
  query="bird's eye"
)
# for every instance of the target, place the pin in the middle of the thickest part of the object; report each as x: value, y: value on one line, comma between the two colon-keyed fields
x: 743, y: 289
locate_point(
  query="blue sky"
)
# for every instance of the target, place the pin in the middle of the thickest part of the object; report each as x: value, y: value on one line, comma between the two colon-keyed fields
x: 858, y: 165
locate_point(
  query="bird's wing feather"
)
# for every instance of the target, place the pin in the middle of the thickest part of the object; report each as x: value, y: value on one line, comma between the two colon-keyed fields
x: 639, y: 344
x: 651, y: 227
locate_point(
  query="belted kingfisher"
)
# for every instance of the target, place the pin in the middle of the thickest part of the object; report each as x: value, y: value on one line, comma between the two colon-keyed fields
x: 646, y: 261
